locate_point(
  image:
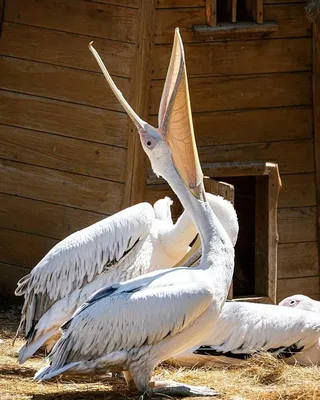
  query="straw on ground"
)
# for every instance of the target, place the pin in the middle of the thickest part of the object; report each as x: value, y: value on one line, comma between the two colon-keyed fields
x: 261, y: 378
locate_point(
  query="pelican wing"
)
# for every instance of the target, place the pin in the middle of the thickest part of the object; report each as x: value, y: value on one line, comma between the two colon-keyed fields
x: 246, y: 328
x: 149, y: 309
x: 79, y: 258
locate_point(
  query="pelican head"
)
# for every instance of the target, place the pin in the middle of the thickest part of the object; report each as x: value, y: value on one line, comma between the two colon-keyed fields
x: 302, y: 302
x: 172, y: 145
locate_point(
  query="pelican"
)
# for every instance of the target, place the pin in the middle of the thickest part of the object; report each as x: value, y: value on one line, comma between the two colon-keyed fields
x: 135, y: 241
x: 302, y: 302
x: 163, y: 312
x: 244, y: 329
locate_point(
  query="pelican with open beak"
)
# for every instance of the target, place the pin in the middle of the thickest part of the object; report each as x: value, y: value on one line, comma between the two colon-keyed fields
x: 132, y: 326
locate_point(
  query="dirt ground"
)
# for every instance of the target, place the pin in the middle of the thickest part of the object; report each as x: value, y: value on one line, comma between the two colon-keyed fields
x: 261, y: 378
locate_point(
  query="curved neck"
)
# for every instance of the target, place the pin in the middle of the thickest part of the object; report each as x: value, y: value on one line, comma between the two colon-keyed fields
x: 214, y: 239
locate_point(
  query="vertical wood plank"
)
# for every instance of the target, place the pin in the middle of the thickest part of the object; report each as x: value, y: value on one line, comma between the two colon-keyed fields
x: 136, y: 170
x: 273, y: 236
x: 316, y: 114
x: 255, y: 10
x: 232, y: 10
x: 211, y: 12
x: 259, y: 12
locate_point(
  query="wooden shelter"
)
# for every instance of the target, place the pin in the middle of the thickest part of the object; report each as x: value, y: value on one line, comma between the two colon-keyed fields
x: 69, y: 155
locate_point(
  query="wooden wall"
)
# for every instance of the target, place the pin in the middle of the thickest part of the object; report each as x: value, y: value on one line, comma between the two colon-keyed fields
x: 65, y: 157
x: 63, y: 135
x: 252, y: 100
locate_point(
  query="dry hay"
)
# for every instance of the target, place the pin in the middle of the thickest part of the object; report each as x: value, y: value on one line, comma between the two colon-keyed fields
x: 261, y: 378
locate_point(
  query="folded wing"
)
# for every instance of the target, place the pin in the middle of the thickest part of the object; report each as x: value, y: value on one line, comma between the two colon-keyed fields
x: 79, y: 258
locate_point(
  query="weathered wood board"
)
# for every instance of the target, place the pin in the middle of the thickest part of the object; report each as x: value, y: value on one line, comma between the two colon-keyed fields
x: 298, y: 260
x: 308, y: 286
x: 239, y: 57
x: 83, y: 192
x: 298, y: 191
x: 42, y: 218
x: 252, y: 125
x: 284, y: 153
x: 63, y: 118
x: 60, y: 83
x: 68, y: 50
x: 13, y: 246
x: 62, y: 153
x: 242, y: 92
x: 297, y: 224
x: 80, y: 16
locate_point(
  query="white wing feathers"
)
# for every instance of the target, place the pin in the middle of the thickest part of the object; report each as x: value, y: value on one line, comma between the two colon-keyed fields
x: 80, y: 257
x: 245, y: 328
x: 144, y: 305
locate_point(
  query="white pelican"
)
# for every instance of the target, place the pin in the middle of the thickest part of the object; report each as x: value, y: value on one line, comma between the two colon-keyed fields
x: 130, y: 243
x: 244, y: 329
x: 301, y: 301
x: 164, y: 312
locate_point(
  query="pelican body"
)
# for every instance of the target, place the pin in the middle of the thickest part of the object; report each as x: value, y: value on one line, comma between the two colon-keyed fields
x: 162, y: 313
x: 244, y: 329
x: 132, y: 242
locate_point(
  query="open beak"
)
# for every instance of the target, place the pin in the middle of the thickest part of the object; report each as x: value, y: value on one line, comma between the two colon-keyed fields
x: 139, y: 123
x: 175, y: 121
x: 175, y: 118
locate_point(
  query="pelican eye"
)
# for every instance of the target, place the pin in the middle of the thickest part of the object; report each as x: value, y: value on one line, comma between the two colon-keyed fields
x: 292, y: 302
x: 149, y: 143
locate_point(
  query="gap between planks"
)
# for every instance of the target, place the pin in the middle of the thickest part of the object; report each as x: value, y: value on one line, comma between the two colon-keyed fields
x: 63, y: 101
x: 62, y: 65
x: 62, y: 170
x: 103, y: 215
x: 63, y: 136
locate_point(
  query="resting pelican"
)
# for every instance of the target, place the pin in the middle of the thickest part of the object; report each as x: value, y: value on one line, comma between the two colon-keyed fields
x: 302, y: 302
x: 164, y: 312
x: 244, y: 329
x: 133, y: 242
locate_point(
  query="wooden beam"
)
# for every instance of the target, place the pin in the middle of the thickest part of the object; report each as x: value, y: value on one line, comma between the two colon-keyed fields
x: 211, y: 12
x: 136, y: 173
x: 316, y: 114
x: 273, y: 236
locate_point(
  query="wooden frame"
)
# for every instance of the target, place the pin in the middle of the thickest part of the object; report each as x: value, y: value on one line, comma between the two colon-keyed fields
x: 270, y: 238
x: 254, y: 8
x: 231, y: 29
x: 316, y: 113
